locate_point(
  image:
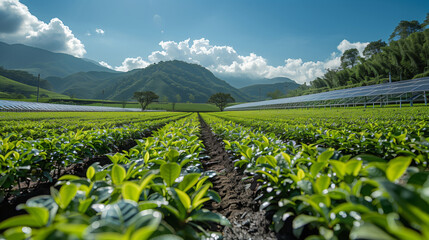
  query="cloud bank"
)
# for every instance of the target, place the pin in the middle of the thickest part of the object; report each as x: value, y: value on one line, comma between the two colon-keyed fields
x: 224, y: 61
x: 18, y: 25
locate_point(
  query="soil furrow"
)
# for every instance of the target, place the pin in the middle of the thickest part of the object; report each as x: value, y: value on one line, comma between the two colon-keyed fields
x: 238, y: 195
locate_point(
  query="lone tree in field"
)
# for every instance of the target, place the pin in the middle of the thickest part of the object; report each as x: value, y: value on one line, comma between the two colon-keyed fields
x: 221, y: 100
x: 145, y: 98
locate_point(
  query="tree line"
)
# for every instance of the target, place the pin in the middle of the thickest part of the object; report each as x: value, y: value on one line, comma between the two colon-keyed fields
x: 406, y: 56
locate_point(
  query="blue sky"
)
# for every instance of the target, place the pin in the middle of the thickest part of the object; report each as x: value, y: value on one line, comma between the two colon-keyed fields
x: 273, y: 31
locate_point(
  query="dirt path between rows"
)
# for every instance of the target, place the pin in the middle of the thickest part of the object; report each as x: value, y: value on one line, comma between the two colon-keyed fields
x: 237, y: 203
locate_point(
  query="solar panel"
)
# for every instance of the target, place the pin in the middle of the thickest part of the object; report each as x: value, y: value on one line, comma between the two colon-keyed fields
x: 6, y: 105
x: 406, y: 86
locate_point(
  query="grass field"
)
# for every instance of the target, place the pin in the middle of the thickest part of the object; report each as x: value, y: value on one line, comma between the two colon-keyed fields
x: 7, y: 86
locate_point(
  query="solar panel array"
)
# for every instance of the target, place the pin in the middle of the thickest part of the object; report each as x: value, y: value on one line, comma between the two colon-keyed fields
x: 407, y: 86
x: 17, y: 106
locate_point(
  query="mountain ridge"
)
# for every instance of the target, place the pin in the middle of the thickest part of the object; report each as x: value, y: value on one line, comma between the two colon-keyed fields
x: 46, y: 63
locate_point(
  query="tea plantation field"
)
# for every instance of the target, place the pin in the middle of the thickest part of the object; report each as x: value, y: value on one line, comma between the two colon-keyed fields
x: 273, y: 174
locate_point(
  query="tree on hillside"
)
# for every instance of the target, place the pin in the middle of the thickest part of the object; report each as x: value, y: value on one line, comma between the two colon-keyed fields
x: 405, y: 28
x: 145, y: 98
x: 349, y: 58
x: 221, y: 100
x: 373, y: 48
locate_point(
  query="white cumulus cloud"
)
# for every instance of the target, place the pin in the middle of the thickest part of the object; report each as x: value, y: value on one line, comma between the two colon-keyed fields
x: 99, y: 31
x: 105, y: 64
x: 18, y: 25
x: 224, y: 61
x: 131, y: 63
x: 346, y: 45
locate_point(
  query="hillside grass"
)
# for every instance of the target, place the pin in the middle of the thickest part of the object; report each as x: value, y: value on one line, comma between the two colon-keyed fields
x: 9, y: 88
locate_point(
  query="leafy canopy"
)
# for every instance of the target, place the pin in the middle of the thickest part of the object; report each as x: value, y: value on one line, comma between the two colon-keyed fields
x: 221, y: 100
x: 405, y: 28
x: 349, y: 58
x: 373, y: 48
x: 145, y: 98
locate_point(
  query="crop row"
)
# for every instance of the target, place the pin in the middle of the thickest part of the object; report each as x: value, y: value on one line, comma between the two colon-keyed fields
x: 40, y: 160
x: 321, y: 193
x: 156, y: 190
x: 354, y: 134
x: 40, y: 125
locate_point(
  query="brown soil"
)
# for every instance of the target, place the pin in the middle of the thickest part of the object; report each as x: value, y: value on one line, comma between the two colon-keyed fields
x: 238, y: 195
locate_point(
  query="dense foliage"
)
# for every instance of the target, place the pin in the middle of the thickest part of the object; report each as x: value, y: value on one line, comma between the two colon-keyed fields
x: 404, y: 58
x: 357, y: 175
x: 155, y: 190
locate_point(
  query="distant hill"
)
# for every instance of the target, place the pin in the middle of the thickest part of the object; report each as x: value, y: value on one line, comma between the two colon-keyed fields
x: 36, y: 60
x: 259, y: 91
x: 191, y: 82
x: 13, y: 89
x: 240, y: 82
x: 25, y: 77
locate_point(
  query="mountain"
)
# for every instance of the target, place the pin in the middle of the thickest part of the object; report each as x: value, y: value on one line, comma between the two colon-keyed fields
x: 191, y: 82
x: 240, y: 82
x: 36, y: 60
x: 26, y: 78
x: 260, y: 91
x: 13, y: 89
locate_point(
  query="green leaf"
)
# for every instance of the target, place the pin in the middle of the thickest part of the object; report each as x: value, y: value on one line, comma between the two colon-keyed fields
x: 326, y: 155
x: 300, y: 174
x: 68, y: 177
x: 131, y: 191
x: 40, y: 214
x: 397, y: 167
x: 72, y: 228
x: 147, y: 223
x: 189, y: 181
x: 213, y: 196
x: 121, y: 213
x: 322, y: 183
x: 146, y: 157
x: 66, y: 195
x: 118, y: 174
x: 369, y: 231
x: 172, y: 155
x: 90, y: 172
x: 207, y: 216
x: 353, y: 167
x: 184, y: 198
x: 199, y: 195
x: 302, y: 220
x: 338, y: 167
x: 170, y: 172
x: 347, y: 207
x: 286, y: 158
x: 411, y: 206
x: 21, y: 220
x: 317, y: 167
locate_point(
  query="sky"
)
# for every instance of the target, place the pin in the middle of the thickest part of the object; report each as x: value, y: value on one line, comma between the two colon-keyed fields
x: 298, y: 39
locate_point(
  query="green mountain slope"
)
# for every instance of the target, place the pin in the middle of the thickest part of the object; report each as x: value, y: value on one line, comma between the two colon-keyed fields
x: 241, y: 82
x: 169, y: 79
x: 36, y: 60
x: 10, y: 89
x: 260, y: 91
x: 25, y: 77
